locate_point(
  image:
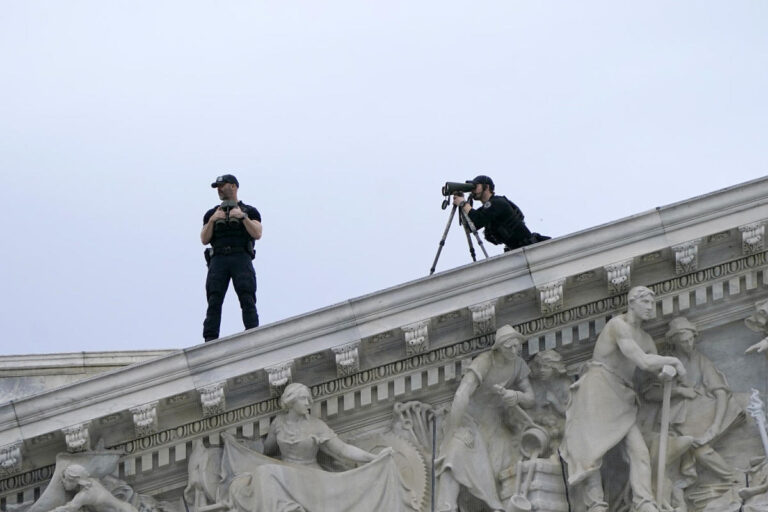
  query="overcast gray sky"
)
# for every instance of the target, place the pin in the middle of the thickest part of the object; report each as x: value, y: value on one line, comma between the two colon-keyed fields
x: 342, y: 119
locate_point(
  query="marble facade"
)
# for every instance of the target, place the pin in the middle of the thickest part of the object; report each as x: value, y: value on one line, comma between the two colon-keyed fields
x: 383, y: 371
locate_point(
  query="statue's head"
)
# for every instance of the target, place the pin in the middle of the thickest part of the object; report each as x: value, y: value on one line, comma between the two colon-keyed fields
x: 642, y: 302
x: 508, y: 341
x: 547, y: 364
x: 298, y: 396
x: 682, y: 334
x: 73, y: 475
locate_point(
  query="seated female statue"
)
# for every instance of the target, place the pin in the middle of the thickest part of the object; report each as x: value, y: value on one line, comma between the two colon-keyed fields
x: 296, y: 482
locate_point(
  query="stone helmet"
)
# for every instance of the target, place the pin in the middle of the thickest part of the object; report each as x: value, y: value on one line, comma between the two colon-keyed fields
x: 504, y: 333
x: 678, y: 325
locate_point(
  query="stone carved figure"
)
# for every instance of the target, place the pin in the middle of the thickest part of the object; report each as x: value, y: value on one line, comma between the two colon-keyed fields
x: 550, y: 386
x: 84, y: 482
x: 91, y: 495
x: 702, y: 409
x: 755, y: 496
x: 296, y: 482
x: 204, y: 475
x: 478, y: 442
x: 758, y: 322
x: 602, y: 413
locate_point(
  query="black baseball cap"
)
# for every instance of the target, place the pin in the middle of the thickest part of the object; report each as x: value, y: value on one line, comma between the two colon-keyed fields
x: 482, y: 180
x: 225, y: 178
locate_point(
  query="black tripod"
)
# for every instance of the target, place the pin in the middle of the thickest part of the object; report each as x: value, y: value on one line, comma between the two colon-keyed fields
x: 468, y: 226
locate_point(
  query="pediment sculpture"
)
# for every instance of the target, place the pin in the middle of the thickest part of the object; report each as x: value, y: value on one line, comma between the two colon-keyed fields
x: 84, y: 482
x: 702, y: 411
x: 482, y: 437
x: 285, y: 476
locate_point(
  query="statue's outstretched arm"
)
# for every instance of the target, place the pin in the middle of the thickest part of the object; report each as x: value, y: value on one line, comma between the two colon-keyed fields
x: 341, y: 450
x: 759, y: 347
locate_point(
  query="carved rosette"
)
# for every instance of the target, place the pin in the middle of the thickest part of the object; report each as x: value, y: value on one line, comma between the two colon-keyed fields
x: 347, y: 359
x: 280, y: 375
x: 686, y: 257
x: 416, y: 337
x: 618, y: 275
x: 213, y: 399
x: 551, y: 297
x: 10, y: 459
x: 752, y: 236
x: 484, y: 317
x: 145, y: 419
x: 77, y: 437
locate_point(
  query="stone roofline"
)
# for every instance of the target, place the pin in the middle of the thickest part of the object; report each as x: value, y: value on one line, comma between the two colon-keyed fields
x: 542, y: 266
x: 38, y: 364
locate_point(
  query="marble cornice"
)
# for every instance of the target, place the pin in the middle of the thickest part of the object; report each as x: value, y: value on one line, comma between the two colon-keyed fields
x: 322, y: 391
x: 85, y: 363
x: 725, y: 270
x: 384, y: 311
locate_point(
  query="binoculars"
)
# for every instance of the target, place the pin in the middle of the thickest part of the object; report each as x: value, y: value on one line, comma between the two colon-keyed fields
x: 451, y: 187
x: 227, y: 206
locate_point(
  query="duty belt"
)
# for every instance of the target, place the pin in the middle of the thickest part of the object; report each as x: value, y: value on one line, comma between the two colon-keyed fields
x: 227, y: 250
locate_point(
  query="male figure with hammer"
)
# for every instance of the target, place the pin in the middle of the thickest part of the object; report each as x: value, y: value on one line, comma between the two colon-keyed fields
x: 602, y: 413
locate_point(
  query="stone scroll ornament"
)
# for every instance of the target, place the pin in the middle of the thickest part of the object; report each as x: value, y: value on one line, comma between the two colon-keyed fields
x: 284, y: 473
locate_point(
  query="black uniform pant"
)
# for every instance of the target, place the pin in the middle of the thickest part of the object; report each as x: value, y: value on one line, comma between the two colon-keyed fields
x: 222, y: 268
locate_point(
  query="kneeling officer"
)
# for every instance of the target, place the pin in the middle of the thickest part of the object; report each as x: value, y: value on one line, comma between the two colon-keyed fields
x: 231, y: 229
x: 502, y: 219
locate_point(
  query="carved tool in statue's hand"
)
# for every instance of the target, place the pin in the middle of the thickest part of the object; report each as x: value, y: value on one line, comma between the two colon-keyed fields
x: 666, y: 375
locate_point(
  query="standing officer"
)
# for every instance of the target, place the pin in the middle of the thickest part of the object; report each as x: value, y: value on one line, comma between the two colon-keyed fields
x: 231, y: 229
x: 502, y: 219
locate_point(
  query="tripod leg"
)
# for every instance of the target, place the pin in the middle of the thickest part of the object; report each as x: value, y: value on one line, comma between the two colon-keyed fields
x: 468, y: 222
x: 470, y: 244
x: 442, y: 240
